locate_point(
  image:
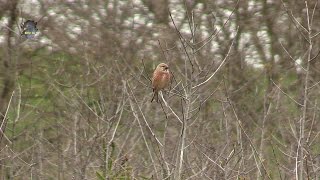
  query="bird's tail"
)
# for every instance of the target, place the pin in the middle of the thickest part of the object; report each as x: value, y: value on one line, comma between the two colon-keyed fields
x: 155, y: 96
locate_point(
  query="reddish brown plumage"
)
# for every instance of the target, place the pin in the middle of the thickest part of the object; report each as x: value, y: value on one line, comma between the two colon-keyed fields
x: 160, y: 79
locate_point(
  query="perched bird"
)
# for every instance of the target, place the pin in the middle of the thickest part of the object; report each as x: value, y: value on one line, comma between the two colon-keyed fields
x: 160, y: 80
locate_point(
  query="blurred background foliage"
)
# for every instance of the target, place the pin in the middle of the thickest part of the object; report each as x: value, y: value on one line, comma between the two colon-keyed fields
x: 75, y: 101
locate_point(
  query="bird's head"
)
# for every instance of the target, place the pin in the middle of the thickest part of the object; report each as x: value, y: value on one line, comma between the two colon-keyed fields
x: 163, y: 67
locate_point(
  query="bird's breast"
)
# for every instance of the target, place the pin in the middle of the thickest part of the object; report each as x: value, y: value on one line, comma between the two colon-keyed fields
x: 161, y: 80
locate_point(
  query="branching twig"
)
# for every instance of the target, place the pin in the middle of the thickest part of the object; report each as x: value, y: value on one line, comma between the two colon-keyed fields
x: 221, y: 64
x: 286, y: 94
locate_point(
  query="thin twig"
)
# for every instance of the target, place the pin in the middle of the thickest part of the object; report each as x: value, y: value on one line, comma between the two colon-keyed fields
x: 182, y: 42
x: 291, y: 56
x: 286, y: 93
x: 217, y: 32
x: 221, y: 64
x: 4, y: 122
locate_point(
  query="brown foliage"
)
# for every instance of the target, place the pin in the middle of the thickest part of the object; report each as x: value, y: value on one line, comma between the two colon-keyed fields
x: 243, y: 103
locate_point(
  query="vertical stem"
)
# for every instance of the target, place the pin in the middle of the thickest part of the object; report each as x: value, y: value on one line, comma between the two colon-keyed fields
x: 183, y: 135
x: 75, y: 144
x: 40, y: 153
x: 263, y: 132
x: 305, y: 99
x: 9, y: 68
x: 135, y: 114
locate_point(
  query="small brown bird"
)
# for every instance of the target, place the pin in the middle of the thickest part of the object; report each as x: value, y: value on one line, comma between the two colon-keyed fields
x: 160, y: 79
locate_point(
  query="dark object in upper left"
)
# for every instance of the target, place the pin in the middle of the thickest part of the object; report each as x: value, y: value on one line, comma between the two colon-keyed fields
x: 29, y: 29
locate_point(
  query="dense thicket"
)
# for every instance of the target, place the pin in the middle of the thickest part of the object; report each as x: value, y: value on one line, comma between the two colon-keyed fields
x: 243, y: 103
